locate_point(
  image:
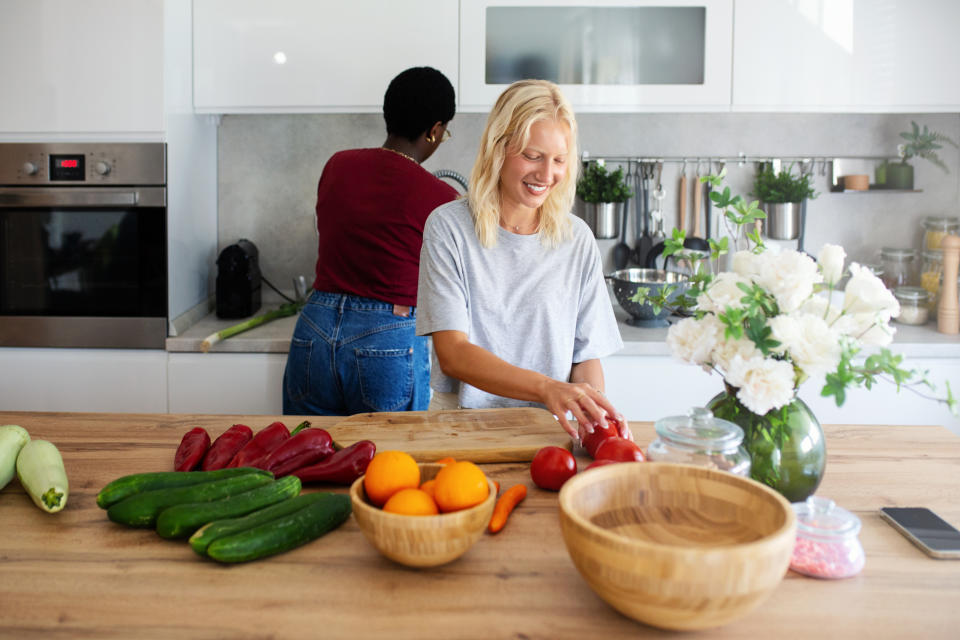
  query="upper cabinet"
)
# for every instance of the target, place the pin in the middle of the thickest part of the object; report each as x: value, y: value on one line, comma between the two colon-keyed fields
x: 292, y: 56
x: 846, y: 55
x: 619, y: 55
x: 81, y: 68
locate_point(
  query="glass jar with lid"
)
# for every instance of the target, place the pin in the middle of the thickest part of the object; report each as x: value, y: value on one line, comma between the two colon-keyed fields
x: 699, y: 438
x: 931, y: 274
x: 914, y: 305
x: 935, y: 228
x: 827, y: 544
x: 898, y: 267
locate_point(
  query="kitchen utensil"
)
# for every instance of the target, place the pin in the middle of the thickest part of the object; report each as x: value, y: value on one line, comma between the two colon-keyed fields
x: 682, y: 220
x: 697, y: 203
x: 645, y: 239
x: 421, y: 541
x: 621, y: 251
x: 693, y: 244
x: 625, y: 285
x: 656, y: 215
x: 478, y: 435
x: 708, y: 213
x: 948, y: 316
x: 676, y: 546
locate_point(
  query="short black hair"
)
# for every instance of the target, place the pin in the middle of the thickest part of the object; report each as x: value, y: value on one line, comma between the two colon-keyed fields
x: 415, y: 100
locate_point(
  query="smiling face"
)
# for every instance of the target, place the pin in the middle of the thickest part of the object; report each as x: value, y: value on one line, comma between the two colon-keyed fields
x: 529, y: 174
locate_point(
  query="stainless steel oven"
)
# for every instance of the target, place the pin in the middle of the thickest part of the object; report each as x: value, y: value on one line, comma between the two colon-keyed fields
x: 83, y: 245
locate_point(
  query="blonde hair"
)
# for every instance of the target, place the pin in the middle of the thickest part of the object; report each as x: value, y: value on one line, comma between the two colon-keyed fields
x: 521, y: 105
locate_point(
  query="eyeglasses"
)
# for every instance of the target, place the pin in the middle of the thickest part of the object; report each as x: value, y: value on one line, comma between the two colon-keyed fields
x: 447, y: 134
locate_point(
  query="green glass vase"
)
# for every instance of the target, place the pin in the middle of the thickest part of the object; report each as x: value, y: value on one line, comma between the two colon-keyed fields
x: 786, y: 446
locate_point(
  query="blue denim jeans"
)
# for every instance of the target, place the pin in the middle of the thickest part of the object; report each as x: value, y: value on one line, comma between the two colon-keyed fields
x: 353, y: 355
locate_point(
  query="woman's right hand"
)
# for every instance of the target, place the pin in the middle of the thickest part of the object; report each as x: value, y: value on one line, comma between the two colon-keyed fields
x: 588, y: 405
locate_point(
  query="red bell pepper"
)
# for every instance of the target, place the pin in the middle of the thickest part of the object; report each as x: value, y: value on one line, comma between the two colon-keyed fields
x: 265, y: 441
x: 192, y: 448
x: 300, y: 450
x: 226, y: 447
x: 343, y: 467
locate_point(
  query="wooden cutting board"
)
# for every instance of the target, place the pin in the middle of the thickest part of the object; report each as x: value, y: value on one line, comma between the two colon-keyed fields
x: 478, y: 435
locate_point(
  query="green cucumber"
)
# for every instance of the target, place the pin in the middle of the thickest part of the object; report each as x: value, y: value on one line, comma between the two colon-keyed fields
x: 12, y: 439
x: 41, y: 472
x: 142, y: 509
x: 179, y: 521
x: 206, y: 534
x: 124, y: 487
x: 285, y: 533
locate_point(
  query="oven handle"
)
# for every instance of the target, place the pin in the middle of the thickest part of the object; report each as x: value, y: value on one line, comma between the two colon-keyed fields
x: 82, y: 197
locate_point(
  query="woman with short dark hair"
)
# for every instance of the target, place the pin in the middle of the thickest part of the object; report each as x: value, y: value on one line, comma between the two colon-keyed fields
x: 354, y: 348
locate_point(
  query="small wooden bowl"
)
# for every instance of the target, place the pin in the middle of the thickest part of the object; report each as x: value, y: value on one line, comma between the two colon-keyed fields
x: 676, y: 546
x: 856, y: 182
x: 421, y: 541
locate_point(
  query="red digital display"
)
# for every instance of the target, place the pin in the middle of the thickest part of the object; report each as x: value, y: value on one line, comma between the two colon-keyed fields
x: 69, y: 164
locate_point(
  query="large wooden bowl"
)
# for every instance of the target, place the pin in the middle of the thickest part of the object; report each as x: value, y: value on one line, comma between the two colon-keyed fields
x: 676, y: 546
x: 421, y: 541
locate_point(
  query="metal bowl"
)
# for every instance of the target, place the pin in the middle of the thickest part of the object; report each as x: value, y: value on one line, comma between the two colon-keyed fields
x: 625, y: 285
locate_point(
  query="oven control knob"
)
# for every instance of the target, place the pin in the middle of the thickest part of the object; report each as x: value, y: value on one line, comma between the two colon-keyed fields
x: 103, y: 168
x: 30, y: 169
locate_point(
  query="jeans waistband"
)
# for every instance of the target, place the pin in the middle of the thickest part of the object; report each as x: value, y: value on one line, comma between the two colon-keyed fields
x: 348, y: 301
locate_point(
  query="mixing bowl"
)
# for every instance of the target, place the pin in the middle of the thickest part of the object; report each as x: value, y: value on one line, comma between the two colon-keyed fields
x: 676, y: 546
x: 626, y: 282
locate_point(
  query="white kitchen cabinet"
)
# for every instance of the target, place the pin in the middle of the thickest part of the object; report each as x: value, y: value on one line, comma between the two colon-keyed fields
x: 247, y: 383
x: 621, y: 55
x: 314, y: 55
x: 846, y: 55
x: 102, y: 380
x: 81, y: 68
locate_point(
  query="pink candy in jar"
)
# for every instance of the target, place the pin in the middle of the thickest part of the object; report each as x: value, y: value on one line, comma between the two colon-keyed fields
x: 827, y: 544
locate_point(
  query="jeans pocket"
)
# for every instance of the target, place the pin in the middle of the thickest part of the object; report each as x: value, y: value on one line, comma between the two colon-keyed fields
x: 296, y: 378
x: 386, y: 378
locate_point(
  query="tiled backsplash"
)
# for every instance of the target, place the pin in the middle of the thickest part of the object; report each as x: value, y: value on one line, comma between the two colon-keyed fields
x: 269, y: 166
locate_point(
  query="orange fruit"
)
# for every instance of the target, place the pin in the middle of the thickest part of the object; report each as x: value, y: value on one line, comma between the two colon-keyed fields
x: 460, y: 485
x: 411, y: 502
x: 389, y: 472
x: 430, y: 487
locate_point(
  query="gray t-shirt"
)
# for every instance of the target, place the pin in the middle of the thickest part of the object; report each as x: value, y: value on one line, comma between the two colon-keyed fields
x: 535, y: 307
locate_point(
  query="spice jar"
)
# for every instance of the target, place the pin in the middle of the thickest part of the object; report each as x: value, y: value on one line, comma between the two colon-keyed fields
x: 914, y: 305
x: 699, y: 438
x: 934, y: 230
x: 898, y: 266
x: 827, y: 544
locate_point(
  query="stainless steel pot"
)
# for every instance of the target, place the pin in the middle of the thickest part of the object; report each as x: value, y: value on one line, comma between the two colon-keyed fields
x: 626, y: 282
x: 604, y: 218
x: 783, y: 220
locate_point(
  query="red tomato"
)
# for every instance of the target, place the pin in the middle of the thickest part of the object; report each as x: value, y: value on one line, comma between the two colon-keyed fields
x: 600, y: 463
x: 551, y: 467
x: 592, y: 440
x: 620, y: 450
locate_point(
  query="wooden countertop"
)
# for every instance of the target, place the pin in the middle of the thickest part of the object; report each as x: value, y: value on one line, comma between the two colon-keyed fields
x: 78, y: 575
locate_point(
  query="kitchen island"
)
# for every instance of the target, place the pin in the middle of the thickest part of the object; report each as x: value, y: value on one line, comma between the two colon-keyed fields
x: 77, y: 575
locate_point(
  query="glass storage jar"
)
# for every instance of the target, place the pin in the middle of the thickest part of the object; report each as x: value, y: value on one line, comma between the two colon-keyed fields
x: 898, y: 267
x: 931, y: 275
x: 914, y: 305
x: 827, y: 544
x: 699, y: 438
x: 935, y: 228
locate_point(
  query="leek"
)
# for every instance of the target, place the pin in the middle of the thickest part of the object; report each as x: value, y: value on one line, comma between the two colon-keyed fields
x: 285, y: 310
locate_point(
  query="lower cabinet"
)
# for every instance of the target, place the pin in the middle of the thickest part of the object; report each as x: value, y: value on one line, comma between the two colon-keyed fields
x: 245, y: 383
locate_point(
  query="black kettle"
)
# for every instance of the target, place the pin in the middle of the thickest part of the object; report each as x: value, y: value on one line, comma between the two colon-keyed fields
x: 238, y: 280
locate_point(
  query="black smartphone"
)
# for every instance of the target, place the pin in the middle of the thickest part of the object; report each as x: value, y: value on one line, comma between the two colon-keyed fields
x: 921, y: 526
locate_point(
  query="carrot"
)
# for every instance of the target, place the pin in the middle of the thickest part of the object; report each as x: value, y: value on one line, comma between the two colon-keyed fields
x: 505, y: 504
x: 445, y: 461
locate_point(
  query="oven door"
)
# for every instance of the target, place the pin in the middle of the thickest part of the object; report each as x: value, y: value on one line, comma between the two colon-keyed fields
x: 83, y: 267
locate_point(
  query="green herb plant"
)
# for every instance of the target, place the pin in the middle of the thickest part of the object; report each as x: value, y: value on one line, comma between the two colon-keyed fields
x: 598, y: 185
x: 923, y: 143
x: 777, y: 187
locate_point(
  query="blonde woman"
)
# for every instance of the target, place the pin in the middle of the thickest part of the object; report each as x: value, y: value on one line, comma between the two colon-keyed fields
x: 511, y: 286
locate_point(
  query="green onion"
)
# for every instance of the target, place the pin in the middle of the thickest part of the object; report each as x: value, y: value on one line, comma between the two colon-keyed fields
x: 285, y: 310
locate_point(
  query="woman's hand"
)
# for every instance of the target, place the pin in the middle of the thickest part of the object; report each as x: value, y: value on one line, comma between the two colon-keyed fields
x: 587, y: 404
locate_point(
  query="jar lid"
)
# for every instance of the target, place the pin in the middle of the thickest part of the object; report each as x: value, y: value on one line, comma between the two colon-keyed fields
x: 911, y: 294
x: 893, y: 253
x: 875, y: 269
x: 933, y: 254
x: 700, y: 429
x: 940, y: 222
x: 822, y: 518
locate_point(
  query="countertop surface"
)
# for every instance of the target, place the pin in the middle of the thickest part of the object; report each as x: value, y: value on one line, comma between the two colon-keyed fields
x: 77, y: 575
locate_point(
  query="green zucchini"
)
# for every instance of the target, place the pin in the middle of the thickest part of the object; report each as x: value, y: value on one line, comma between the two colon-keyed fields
x: 41, y: 472
x: 206, y: 534
x: 127, y: 486
x: 142, y: 509
x: 181, y: 520
x: 12, y: 439
x: 285, y: 533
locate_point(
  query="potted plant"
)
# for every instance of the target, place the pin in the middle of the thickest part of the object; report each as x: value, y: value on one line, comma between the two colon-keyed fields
x: 921, y: 143
x: 604, y: 192
x: 782, y: 194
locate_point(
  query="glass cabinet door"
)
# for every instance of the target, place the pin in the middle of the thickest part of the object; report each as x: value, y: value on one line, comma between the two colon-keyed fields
x: 625, y: 55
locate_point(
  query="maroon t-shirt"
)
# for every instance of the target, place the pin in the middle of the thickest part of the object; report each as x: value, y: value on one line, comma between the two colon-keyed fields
x: 371, y: 208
